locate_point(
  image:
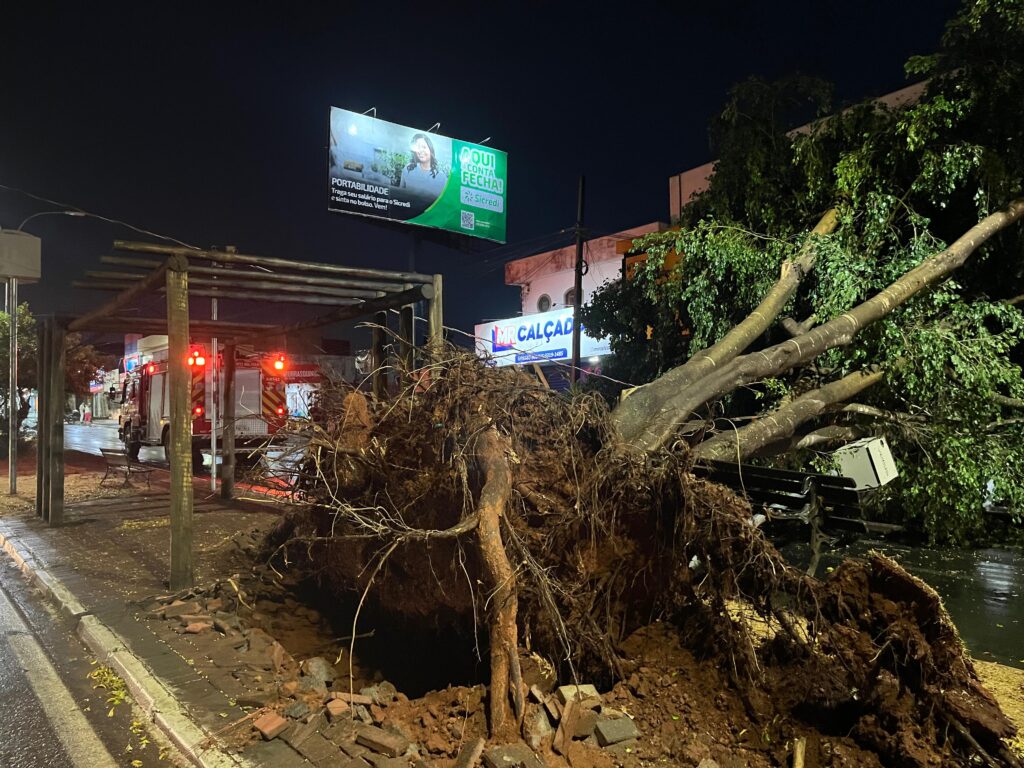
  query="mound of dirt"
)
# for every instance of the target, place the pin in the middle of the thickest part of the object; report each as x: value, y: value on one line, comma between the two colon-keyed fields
x: 476, y: 497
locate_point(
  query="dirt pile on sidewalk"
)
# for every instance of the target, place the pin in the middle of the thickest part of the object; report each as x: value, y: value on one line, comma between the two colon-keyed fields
x: 479, y: 502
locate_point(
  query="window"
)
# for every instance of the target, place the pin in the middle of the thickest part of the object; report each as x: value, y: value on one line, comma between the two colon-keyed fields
x: 570, y: 297
x: 544, y: 303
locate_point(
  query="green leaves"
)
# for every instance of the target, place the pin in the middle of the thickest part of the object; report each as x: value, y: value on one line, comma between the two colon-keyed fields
x: 906, y: 179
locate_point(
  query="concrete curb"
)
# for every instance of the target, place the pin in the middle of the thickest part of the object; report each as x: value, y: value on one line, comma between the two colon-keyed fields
x: 146, y: 689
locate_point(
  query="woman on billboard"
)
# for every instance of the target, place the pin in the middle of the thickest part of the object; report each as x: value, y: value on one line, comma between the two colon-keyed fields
x: 423, y: 176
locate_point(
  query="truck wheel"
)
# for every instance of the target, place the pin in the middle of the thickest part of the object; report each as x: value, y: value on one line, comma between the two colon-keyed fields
x: 133, y: 449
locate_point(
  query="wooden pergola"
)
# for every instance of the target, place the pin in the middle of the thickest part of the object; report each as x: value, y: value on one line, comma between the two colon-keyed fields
x: 344, y: 293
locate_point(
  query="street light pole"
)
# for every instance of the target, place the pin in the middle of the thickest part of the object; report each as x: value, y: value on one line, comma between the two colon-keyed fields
x: 19, y: 259
x: 12, y: 397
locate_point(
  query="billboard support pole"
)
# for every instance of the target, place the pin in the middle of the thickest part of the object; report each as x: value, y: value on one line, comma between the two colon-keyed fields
x: 577, y: 298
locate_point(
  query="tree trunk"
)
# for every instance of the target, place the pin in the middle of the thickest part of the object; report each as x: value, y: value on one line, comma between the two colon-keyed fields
x: 651, y: 421
x: 631, y: 418
x: 506, y: 676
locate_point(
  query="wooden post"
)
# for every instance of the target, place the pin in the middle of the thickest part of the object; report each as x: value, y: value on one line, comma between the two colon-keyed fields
x: 435, y: 319
x: 380, y: 379
x: 43, y: 419
x: 406, y: 335
x: 180, y: 396
x: 56, y: 448
x: 227, y: 481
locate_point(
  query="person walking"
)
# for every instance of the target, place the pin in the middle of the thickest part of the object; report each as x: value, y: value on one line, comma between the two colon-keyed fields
x: 87, y: 415
x: 81, y: 411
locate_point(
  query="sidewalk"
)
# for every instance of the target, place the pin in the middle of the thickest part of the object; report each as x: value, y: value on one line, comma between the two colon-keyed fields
x: 103, y: 568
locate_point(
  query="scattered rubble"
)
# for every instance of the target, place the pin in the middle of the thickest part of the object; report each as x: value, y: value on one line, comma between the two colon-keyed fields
x: 307, y: 702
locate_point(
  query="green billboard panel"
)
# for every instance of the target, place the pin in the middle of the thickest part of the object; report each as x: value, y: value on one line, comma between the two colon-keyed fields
x: 389, y: 171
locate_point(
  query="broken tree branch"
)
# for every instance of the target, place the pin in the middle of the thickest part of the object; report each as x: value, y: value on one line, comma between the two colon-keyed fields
x: 794, y: 328
x: 649, y: 417
x: 784, y: 421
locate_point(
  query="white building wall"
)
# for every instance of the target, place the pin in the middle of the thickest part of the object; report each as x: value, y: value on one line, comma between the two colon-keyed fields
x: 556, y: 285
x: 552, y: 273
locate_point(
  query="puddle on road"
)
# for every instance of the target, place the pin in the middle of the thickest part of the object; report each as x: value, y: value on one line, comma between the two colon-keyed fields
x: 983, y: 590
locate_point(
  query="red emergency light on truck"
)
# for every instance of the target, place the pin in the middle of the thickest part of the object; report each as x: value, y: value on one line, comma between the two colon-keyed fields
x: 261, y: 407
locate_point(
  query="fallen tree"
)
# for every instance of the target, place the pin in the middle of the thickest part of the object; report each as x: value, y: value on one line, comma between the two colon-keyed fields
x: 475, y: 495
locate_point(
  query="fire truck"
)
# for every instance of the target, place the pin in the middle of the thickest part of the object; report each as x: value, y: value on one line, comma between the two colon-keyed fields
x: 260, y: 402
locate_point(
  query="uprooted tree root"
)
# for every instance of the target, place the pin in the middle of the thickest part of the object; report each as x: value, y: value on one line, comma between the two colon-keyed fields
x: 476, y: 493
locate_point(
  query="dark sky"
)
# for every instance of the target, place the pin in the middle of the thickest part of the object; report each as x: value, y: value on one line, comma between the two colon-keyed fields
x: 208, y: 122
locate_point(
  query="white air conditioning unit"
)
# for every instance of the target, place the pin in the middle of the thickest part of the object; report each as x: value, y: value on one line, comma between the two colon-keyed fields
x: 868, y: 461
x: 364, y: 362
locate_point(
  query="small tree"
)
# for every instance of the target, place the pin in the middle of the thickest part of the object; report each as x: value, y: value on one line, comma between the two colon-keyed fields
x: 82, y: 362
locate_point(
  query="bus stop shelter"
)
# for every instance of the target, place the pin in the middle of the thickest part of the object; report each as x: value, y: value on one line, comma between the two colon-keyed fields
x: 144, y: 270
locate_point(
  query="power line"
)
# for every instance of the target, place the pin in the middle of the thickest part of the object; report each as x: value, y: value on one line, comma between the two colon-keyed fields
x: 90, y: 214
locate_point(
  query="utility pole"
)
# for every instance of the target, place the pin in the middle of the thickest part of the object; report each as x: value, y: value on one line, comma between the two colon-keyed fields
x: 577, y: 298
x: 214, y: 392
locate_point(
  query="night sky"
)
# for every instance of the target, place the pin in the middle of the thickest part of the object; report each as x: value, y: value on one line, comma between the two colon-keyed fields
x: 210, y: 125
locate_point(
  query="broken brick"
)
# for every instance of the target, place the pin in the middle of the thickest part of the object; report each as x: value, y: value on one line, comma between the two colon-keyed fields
x: 176, y: 609
x: 613, y: 731
x: 352, y: 698
x: 270, y: 725
x: 566, y: 727
x: 336, y: 708
x: 381, y: 741
x: 512, y: 756
x: 585, y: 724
x: 554, y: 708
x: 470, y: 754
x: 578, y: 692
x: 197, y: 627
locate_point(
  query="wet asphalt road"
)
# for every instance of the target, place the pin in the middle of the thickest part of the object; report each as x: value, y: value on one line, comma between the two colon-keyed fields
x: 103, y: 434
x: 50, y: 715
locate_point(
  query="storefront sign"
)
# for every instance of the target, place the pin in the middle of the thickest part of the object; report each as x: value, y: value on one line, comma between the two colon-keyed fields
x: 535, y: 339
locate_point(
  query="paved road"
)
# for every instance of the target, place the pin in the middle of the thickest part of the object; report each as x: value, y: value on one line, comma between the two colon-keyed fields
x: 50, y: 715
x: 102, y: 434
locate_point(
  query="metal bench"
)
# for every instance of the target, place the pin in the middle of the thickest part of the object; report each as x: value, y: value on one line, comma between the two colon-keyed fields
x: 819, y: 500
x: 118, y: 462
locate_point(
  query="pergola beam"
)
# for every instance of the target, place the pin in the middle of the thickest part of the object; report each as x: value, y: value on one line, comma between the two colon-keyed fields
x: 252, y: 274
x: 226, y: 280
x: 330, y: 301
x: 197, y: 327
x: 122, y: 300
x: 408, y: 296
x: 270, y: 261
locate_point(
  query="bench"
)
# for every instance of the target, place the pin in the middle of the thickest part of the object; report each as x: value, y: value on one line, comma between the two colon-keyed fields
x: 819, y: 500
x: 118, y: 462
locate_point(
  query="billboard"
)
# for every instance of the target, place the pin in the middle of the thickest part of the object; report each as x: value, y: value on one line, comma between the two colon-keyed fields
x: 389, y: 171
x: 535, y: 338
